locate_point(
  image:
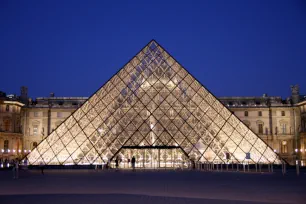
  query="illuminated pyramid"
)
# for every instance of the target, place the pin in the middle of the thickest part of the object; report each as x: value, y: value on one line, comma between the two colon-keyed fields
x: 152, y: 104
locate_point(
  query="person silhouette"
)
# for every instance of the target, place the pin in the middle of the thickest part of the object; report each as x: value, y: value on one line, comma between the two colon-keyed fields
x: 133, y: 163
x: 117, y: 163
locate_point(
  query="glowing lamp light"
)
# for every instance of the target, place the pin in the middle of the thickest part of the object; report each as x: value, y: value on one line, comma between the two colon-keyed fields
x: 296, y: 150
x: 19, y: 150
x: 301, y: 150
x: 29, y: 150
x: 274, y: 150
x: 9, y: 150
x: 14, y: 150
x: 25, y: 151
x: 2, y: 150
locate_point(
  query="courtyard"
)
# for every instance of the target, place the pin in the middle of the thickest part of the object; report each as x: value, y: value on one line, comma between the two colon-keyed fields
x: 151, y: 186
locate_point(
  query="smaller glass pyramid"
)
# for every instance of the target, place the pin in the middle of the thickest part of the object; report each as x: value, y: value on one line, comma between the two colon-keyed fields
x: 153, y: 109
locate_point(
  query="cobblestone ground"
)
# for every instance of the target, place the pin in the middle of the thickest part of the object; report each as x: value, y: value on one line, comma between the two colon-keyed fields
x: 91, y: 186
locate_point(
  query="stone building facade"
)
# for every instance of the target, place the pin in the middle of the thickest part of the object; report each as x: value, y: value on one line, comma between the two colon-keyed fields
x: 11, y: 137
x: 280, y: 123
x: 42, y: 116
x: 277, y: 122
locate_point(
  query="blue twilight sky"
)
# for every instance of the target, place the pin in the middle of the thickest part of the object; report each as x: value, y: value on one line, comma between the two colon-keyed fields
x: 234, y: 48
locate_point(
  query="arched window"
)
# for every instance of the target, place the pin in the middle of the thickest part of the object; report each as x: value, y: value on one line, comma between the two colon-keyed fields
x: 34, y: 145
x: 246, y: 113
x: 6, y: 146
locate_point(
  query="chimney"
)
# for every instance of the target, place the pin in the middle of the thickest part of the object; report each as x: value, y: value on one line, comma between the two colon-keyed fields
x: 24, y: 94
x: 295, y: 94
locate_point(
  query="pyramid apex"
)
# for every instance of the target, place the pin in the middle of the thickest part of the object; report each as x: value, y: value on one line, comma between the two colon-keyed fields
x: 153, y: 44
x: 153, y: 40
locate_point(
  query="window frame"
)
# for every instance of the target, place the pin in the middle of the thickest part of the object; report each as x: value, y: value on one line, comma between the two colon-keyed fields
x: 284, y: 147
x: 6, y: 146
x: 260, y: 128
x: 35, y: 130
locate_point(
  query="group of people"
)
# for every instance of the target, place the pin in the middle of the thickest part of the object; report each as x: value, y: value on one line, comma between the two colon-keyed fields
x: 118, y: 160
x: 14, y: 164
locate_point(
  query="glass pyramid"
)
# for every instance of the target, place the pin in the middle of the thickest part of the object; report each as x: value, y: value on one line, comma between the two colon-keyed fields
x: 152, y: 103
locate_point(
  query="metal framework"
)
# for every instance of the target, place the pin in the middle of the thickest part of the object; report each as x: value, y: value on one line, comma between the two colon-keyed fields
x: 151, y: 102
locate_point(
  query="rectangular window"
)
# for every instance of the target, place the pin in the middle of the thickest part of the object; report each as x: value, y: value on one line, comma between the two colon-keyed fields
x: 246, y: 113
x: 6, y: 145
x: 284, y: 131
x: 260, y: 129
x: 35, y: 130
x: 7, y: 108
x: 36, y: 114
x: 283, y: 113
x: 259, y: 113
x: 284, y: 148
